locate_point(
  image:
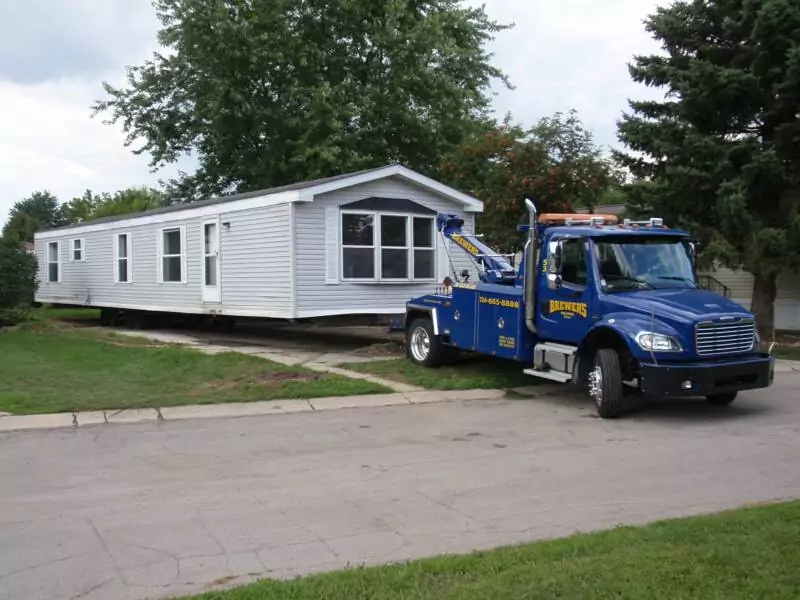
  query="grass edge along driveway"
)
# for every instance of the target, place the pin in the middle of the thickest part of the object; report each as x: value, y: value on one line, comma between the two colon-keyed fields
x: 740, y: 554
x: 471, y: 371
x: 49, y: 370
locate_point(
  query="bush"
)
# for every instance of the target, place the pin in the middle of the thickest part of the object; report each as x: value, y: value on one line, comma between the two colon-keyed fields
x: 17, y: 282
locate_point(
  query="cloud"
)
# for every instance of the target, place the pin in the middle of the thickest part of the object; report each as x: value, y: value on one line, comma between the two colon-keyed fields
x: 48, y: 141
x: 45, y: 40
x: 54, y: 55
x: 570, y: 54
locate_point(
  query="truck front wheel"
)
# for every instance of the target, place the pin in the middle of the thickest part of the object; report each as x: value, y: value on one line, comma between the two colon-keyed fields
x: 721, y: 399
x: 605, y: 384
x: 422, y: 345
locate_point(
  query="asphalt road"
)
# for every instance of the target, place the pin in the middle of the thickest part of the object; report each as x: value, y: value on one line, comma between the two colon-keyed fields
x: 155, y: 510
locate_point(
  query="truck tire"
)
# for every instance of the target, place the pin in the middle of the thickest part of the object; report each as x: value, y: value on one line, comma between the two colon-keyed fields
x: 605, y: 384
x: 721, y: 399
x: 422, y: 346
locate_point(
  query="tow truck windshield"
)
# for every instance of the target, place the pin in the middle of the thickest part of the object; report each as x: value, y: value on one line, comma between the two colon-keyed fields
x: 634, y: 263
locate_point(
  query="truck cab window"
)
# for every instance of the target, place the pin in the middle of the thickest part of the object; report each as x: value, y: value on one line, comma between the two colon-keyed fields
x: 573, y: 266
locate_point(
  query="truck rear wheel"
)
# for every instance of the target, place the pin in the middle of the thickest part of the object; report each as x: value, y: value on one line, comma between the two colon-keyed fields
x: 422, y: 345
x: 721, y: 399
x: 605, y: 384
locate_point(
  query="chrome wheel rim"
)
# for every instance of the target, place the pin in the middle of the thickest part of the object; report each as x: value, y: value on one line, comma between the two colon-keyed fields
x: 420, y: 344
x: 596, y: 385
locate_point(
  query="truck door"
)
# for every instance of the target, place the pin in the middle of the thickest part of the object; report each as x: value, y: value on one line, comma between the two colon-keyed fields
x: 564, y: 296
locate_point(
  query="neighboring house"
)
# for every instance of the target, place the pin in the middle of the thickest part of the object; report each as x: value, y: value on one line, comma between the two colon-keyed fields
x: 360, y: 243
x: 738, y: 285
x: 27, y: 247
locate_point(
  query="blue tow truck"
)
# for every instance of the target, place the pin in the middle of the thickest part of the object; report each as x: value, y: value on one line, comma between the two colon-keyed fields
x: 597, y: 302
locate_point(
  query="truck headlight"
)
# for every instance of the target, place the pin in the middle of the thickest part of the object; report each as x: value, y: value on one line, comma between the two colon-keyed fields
x: 657, y: 342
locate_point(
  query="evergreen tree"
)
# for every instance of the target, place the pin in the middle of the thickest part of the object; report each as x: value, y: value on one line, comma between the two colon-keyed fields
x: 720, y: 154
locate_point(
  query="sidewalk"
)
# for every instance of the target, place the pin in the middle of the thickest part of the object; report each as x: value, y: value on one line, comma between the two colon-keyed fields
x: 239, y: 409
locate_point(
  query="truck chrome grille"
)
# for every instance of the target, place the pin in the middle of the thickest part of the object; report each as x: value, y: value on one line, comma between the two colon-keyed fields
x: 725, y: 337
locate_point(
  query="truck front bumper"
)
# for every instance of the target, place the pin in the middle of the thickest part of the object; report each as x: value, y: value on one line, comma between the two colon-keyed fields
x: 707, y: 378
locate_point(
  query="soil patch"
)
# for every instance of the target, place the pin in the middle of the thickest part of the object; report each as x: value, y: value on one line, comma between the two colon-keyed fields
x: 386, y: 349
x: 268, y: 378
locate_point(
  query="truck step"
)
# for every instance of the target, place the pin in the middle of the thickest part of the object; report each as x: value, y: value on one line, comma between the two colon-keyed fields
x: 551, y: 375
x: 557, y: 348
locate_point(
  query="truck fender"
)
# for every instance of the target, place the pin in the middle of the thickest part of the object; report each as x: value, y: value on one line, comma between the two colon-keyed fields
x: 618, y: 331
x: 414, y: 311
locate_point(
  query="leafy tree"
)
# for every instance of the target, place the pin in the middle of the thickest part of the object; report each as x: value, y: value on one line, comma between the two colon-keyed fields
x: 721, y: 153
x: 269, y: 92
x: 555, y: 163
x: 17, y: 281
x: 20, y: 228
x: 81, y: 208
x: 128, y: 201
x: 91, y: 206
x: 41, y: 210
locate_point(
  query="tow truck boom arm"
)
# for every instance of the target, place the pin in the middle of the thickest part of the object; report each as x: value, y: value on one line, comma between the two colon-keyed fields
x: 494, y: 267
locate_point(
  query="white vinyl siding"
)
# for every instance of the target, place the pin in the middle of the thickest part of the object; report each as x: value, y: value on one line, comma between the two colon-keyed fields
x: 122, y: 258
x: 322, y: 286
x: 254, y: 266
x: 787, y: 303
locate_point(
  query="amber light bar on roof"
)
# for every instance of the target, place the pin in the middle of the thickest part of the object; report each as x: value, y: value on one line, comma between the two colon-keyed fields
x: 577, y: 219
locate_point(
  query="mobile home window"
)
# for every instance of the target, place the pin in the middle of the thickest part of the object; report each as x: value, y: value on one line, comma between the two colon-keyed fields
x: 424, y: 248
x: 358, y: 246
x: 387, y: 247
x: 172, y: 255
x: 77, y: 250
x: 122, y: 258
x: 54, y: 262
x: 394, y: 247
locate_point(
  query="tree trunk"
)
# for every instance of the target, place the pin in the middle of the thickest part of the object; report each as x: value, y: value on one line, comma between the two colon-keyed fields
x: 765, y: 290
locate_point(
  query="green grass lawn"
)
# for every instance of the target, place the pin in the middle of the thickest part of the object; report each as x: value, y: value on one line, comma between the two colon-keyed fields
x: 76, y: 315
x: 50, y: 369
x: 470, y: 372
x: 748, y: 554
x: 787, y: 352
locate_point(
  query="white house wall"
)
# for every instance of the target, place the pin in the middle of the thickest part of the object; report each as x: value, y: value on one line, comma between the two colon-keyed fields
x: 254, y: 266
x: 317, y: 294
x: 256, y: 262
x: 787, y: 303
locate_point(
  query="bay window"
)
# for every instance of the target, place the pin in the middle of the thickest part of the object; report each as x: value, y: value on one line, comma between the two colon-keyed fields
x: 387, y: 247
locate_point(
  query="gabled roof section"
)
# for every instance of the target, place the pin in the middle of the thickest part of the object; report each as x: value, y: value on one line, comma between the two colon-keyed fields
x: 297, y: 192
x: 336, y: 183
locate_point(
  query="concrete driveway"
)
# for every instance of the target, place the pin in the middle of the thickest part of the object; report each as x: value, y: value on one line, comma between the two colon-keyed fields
x: 159, y: 509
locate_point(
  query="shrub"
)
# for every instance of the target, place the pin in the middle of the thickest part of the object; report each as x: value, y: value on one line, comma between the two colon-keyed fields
x: 17, y: 282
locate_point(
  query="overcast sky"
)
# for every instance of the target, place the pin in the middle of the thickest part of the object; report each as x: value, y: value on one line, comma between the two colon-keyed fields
x: 54, y: 56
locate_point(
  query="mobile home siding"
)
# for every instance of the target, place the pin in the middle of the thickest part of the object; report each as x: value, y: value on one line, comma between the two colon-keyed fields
x: 316, y: 294
x: 254, y: 266
x: 787, y: 303
x: 256, y: 260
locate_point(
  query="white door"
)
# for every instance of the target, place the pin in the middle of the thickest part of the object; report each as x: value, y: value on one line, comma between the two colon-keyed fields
x: 211, y: 284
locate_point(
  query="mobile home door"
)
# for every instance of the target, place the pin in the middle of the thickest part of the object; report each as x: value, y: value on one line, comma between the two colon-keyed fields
x: 211, y: 284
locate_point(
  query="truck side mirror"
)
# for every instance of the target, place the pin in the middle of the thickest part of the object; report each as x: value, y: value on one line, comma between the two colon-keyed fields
x: 694, y: 249
x: 558, y: 261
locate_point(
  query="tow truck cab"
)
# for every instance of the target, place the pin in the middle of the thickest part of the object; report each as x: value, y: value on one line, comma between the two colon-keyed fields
x: 599, y: 303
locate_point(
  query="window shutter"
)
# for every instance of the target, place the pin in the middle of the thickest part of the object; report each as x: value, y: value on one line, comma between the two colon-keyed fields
x: 442, y: 263
x: 184, y: 246
x: 332, y: 245
x: 159, y: 252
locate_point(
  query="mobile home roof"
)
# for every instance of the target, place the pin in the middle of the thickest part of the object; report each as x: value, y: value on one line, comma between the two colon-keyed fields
x: 296, y: 192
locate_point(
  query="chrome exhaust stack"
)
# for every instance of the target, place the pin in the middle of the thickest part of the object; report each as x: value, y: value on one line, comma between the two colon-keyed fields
x: 529, y: 278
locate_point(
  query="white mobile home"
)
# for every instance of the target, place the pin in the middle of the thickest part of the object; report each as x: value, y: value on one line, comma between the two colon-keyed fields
x: 356, y: 244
